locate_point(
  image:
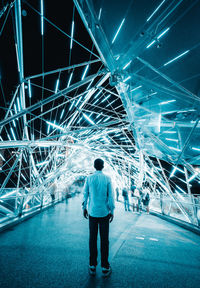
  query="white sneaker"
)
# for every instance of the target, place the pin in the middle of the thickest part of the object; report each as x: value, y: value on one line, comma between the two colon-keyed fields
x: 92, y: 270
x: 106, y: 272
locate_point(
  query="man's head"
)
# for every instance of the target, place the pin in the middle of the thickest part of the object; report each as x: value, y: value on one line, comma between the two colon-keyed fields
x: 98, y: 164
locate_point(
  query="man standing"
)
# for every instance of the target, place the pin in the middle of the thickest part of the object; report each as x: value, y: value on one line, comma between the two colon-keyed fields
x: 98, y: 189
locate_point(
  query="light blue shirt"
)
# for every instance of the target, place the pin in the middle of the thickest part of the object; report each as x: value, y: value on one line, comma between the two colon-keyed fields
x: 98, y: 188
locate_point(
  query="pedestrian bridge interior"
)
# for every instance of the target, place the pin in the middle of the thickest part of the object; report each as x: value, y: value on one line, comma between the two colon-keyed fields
x: 117, y: 80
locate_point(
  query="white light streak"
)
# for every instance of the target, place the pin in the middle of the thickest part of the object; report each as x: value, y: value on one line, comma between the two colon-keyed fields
x: 70, y: 79
x: 55, y: 126
x: 13, y: 134
x: 99, y: 16
x: 151, y: 44
x: 118, y: 31
x: 174, y: 140
x: 163, y: 33
x: 71, y: 105
x: 136, y: 88
x: 193, y: 176
x: 85, y: 71
x: 195, y: 148
x: 129, y: 77
x: 2, y: 156
x: 72, y: 35
x: 62, y: 113
x: 170, y: 132
x: 57, y: 83
x: 155, y: 10
x: 17, y: 57
x: 167, y: 102
x: 176, y: 149
x: 177, y: 57
x: 29, y: 88
x: 127, y: 65
x: 88, y: 119
x: 42, y: 17
x: 106, y: 98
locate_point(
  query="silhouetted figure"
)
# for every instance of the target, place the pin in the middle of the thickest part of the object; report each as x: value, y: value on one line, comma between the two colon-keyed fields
x: 98, y: 189
x: 117, y: 193
x: 126, y: 199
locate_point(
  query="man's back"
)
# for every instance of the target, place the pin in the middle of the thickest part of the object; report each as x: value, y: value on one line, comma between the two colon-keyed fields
x: 98, y: 188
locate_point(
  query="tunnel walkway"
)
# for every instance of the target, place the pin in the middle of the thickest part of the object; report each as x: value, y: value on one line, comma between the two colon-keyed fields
x: 51, y: 250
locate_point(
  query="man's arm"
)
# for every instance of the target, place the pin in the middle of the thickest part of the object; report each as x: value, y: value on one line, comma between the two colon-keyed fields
x: 85, y: 198
x: 111, y: 202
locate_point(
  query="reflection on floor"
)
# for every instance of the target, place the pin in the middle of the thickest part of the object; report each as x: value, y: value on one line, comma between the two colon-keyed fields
x: 51, y: 250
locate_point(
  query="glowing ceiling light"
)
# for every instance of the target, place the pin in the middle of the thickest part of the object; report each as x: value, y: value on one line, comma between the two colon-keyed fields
x: 136, y: 88
x: 174, y: 59
x: 174, y: 170
x: 8, y: 194
x: 18, y: 104
x: 111, y: 103
x: 15, y: 108
x: 193, y: 176
x: 85, y: 71
x: 169, y: 139
x: 97, y: 94
x: 42, y: 17
x: 196, y: 149
x: 155, y: 10
x: 71, y: 105
x: 163, y: 33
x: 72, y: 35
x: 13, y: 134
x: 55, y: 125
x: 180, y: 188
x: 99, y: 16
x: 129, y: 77
x: 127, y: 65
x: 9, y: 137
x: 167, y: 102
x: 57, y: 83
x: 29, y: 88
x: 78, y: 101
x: 170, y: 132
x: 176, y: 149
x: 151, y: 44
x: 2, y: 156
x: 118, y: 31
x: 117, y: 58
x: 62, y: 113
x: 90, y: 84
x: 17, y: 57
x: 88, y: 119
x: 70, y: 79
x: 106, y: 98
x: 42, y: 163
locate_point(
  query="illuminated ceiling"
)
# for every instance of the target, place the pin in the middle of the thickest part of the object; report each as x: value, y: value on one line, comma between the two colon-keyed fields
x: 125, y: 86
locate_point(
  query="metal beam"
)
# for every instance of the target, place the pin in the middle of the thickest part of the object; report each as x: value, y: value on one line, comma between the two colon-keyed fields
x: 49, y: 99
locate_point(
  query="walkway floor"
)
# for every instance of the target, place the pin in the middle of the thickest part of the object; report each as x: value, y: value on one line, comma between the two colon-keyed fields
x: 51, y: 250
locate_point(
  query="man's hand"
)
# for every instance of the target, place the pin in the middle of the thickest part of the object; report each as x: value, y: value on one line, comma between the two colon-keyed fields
x: 111, y: 217
x: 85, y: 213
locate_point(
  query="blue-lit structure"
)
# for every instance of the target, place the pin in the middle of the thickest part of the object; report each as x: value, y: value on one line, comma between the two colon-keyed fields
x: 113, y: 79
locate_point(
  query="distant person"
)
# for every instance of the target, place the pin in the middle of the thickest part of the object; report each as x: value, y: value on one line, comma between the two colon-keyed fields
x: 133, y: 187
x: 98, y: 189
x: 117, y: 193
x: 137, y: 196
x: 146, y: 202
x: 126, y: 199
x: 146, y: 198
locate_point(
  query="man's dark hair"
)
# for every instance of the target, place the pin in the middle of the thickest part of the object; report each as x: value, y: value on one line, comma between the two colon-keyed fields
x: 98, y: 164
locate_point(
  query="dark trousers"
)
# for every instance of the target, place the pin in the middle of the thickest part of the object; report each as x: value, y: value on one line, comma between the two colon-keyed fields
x: 103, y: 224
